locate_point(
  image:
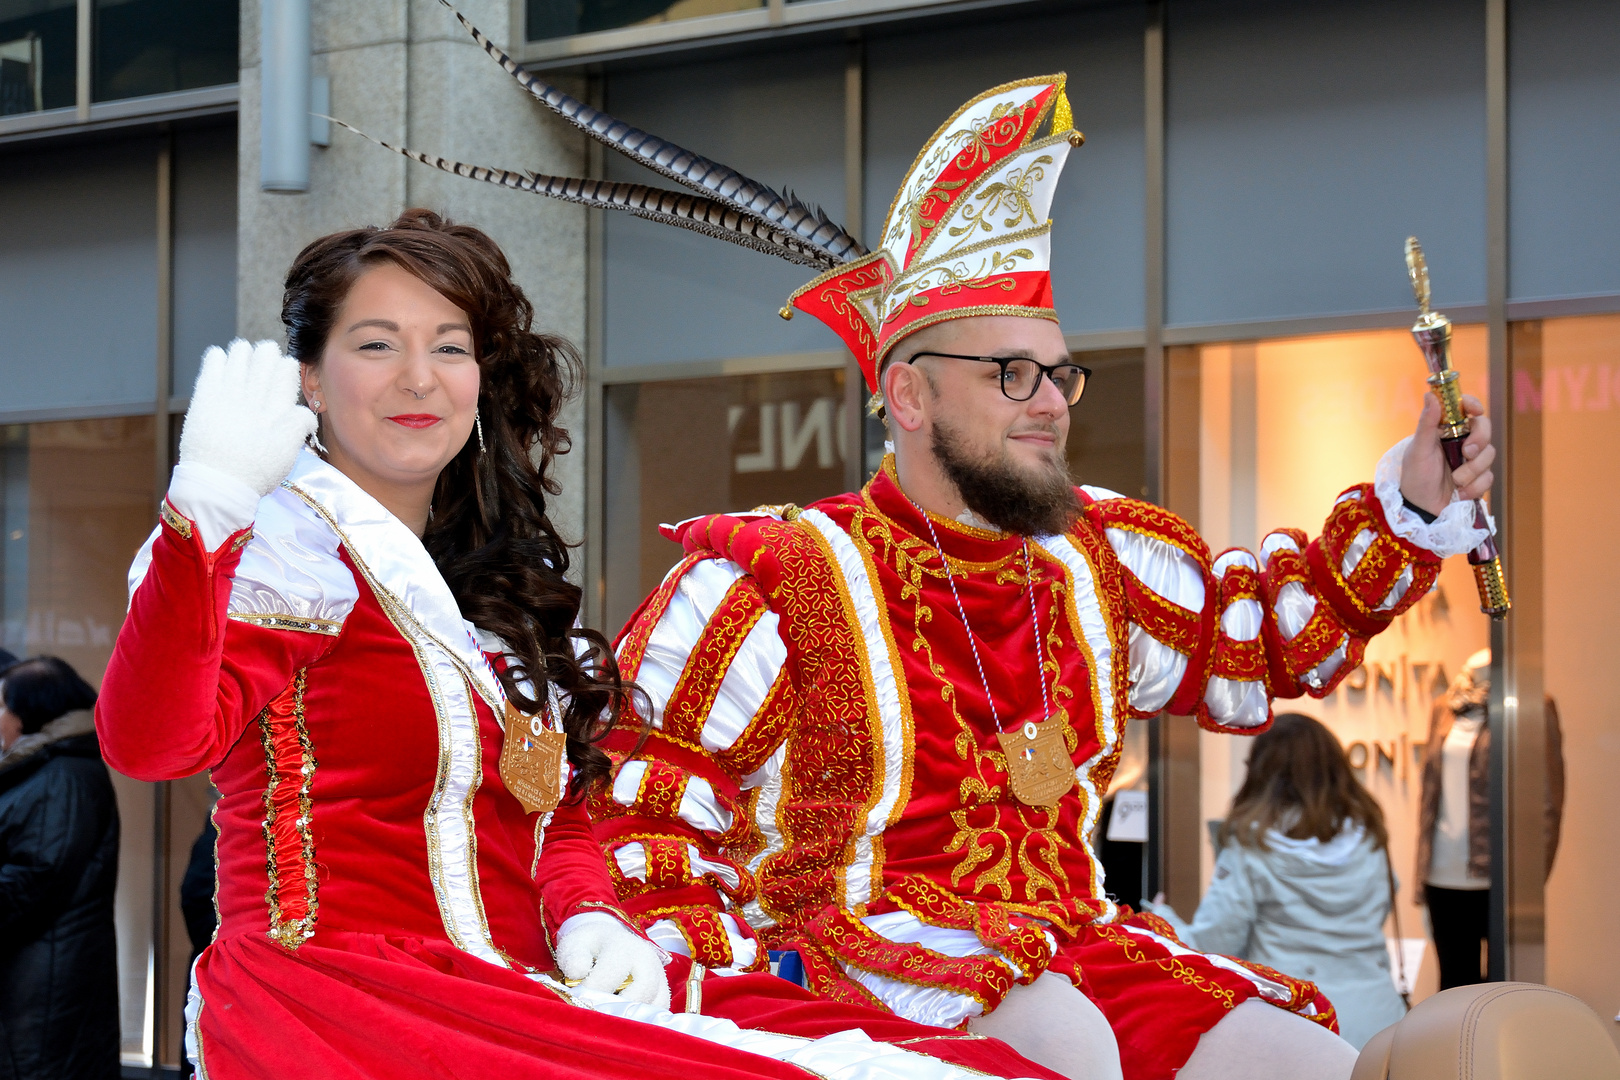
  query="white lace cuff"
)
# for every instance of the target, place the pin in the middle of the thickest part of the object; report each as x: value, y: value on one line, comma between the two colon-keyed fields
x: 1452, y: 533
x: 218, y: 502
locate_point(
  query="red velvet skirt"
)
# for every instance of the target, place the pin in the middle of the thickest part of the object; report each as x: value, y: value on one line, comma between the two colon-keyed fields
x: 347, y: 1006
x: 1160, y: 997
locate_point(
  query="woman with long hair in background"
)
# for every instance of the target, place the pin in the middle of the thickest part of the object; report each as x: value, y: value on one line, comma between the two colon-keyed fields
x: 1302, y: 882
x: 371, y: 641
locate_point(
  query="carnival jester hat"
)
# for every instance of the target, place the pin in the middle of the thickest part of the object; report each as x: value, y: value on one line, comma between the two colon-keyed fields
x: 967, y: 233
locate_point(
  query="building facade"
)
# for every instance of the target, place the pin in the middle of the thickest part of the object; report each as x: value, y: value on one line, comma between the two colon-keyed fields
x: 1226, y: 256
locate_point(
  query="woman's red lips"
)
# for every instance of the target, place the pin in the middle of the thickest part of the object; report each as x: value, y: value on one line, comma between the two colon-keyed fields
x: 416, y: 420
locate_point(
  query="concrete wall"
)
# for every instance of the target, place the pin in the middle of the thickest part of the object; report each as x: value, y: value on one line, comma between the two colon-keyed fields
x: 407, y: 72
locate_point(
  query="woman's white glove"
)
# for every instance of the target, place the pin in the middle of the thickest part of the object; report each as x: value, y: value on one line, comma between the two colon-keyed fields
x: 608, y: 956
x: 245, y: 419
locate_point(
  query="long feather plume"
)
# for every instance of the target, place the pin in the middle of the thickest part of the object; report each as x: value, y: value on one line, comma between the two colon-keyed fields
x: 699, y: 213
x: 721, y: 183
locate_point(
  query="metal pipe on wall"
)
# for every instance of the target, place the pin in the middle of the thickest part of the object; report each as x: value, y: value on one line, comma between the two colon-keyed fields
x: 284, y: 125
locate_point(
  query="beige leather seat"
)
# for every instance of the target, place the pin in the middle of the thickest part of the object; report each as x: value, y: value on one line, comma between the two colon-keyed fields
x: 1494, y: 1031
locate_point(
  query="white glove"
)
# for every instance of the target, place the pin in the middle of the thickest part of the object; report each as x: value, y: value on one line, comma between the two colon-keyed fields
x: 245, y: 420
x: 606, y: 955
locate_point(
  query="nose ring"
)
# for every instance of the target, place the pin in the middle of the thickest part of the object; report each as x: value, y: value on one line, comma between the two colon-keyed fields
x: 418, y: 397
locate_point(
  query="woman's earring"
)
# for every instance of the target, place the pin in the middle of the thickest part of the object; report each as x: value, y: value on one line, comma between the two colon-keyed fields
x: 478, y: 426
x: 315, y: 406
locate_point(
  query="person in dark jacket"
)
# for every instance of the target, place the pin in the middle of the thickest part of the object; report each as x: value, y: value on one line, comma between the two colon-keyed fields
x: 58, y: 870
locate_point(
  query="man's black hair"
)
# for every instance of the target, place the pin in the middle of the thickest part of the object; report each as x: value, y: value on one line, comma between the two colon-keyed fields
x: 38, y: 690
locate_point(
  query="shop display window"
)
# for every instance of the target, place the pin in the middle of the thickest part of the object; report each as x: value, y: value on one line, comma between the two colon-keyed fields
x: 1568, y: 378
x: 686, y: 447
x: 1282, y: 427
x: 77, y: 502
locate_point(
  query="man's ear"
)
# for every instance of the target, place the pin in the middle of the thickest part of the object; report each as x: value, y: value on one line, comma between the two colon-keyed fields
x: 906, y: 395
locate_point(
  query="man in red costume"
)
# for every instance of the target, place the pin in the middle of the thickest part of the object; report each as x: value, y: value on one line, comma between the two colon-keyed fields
x: 883, y: 724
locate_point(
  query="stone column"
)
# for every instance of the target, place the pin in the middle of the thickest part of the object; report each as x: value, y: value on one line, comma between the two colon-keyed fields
x: 409, y: 73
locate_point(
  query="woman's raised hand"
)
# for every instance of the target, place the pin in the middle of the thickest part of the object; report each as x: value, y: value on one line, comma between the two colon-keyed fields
x: 245, y: 418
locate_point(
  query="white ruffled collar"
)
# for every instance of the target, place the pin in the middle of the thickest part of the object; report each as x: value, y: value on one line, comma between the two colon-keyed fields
x: 400, y: 571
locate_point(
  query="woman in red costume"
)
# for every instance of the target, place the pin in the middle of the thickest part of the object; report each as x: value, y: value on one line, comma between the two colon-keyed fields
x: 373, y: 647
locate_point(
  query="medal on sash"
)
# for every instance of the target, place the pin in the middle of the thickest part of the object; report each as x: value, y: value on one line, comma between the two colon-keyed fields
x: 1039, y: 769
x: 534, y: 762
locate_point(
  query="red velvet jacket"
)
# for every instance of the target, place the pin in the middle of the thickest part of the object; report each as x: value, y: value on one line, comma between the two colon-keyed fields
x: 826, y: 774
x: 317, y: 664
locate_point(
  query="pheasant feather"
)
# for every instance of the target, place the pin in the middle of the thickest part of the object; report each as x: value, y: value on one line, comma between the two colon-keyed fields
x: 699, y: 213
x: 779, y: 214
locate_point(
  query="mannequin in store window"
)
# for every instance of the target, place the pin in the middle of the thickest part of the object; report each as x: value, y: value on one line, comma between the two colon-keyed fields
x: 1454, y: 820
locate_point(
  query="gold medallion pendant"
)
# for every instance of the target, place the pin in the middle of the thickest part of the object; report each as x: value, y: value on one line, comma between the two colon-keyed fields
x: 1038, y: 764
x: 534, y: 761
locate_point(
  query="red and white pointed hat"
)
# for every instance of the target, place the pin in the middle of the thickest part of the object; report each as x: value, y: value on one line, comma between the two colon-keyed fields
x: 967, y: 233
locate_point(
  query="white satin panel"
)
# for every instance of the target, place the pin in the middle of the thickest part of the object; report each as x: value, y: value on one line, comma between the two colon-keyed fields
x: 1164, y: 568
x: 670, y: 644
x: 768, y: 779
x: 410, y: 589
x: 896, y: 739
x: 1397, y: 591
x: 699, y: 807
x: 1157, y: 669
x: 1094, y: 631
x: 847, y: 1055
x: 1236, y: 704
x: 1100, y: 493
x: 291, y: 566
x: 932, y: 1005
x: 632, y: 860
x: 1232, y: 703
x: 1451, y: 533
x: 747, y: 681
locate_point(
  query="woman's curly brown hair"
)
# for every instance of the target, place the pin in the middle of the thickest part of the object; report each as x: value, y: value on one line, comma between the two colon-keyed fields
x: 489, y: 533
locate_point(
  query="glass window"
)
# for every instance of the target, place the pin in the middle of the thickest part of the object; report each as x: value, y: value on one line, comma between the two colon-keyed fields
x: 1282, y: 427
x: 1577, y: 399
x: 678, y: 449
x: 158, y: 46
x: 1105, y: 426
x: 545, y: 19
x: 38, y: 46
x: 77, y: 503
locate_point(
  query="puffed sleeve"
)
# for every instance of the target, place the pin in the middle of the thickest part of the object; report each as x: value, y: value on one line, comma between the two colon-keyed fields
x: 678, y: 821
x: 1220, y: 638
x: 189, y: 670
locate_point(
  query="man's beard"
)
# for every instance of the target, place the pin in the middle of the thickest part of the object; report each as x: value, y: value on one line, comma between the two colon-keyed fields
x: 1035, y: 502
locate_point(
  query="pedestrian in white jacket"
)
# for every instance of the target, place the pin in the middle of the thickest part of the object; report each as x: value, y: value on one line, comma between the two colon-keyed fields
x: 1302, y: 883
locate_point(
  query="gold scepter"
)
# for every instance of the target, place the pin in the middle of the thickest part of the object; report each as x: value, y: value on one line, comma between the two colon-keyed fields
x: 1432, y: 332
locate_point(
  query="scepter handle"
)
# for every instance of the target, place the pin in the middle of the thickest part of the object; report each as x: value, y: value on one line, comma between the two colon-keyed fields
x: 1486, y: 559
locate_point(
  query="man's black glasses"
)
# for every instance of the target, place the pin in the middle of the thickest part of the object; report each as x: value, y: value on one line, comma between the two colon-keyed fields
x: 1021, y: 376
